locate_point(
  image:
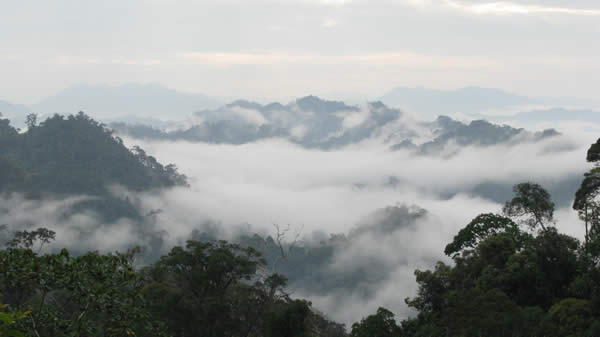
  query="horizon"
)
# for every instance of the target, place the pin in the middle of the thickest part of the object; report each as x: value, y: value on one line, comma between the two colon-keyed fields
x: 283, y: 99
x: 269, y: 50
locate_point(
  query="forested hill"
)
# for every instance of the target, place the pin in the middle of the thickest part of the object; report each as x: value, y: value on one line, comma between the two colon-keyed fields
x: 75, y: 155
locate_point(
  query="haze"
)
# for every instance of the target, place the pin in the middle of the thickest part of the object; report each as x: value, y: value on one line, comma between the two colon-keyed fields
x: 278, y: 50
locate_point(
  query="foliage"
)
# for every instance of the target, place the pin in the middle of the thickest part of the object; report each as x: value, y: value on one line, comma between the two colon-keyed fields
x: 8, y: 322
x: 89, y: 295
x: 506, y: 282
x: 533, y: 203
x: 382, y: 324
x: 483, y: 226
x: 216, y: 288
x: 289, y: 322
x: 203, y: 289
x: 26, y: 239
x: 76, y: 155
x: 12, y: 175
x: 587, y: 204
x: 593, y: 154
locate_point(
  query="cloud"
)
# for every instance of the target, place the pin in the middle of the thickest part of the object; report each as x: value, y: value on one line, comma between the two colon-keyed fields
x: 508, y: 8
x: 250, y: 116
x: 328, y: 2
x: 277, y: 182
x: 330, y: 23
x: 397, y: 58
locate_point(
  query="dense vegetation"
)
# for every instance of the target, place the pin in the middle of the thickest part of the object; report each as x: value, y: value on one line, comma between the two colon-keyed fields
x: 514, y: 274
x: 76, y: 155
x: 202, y: 289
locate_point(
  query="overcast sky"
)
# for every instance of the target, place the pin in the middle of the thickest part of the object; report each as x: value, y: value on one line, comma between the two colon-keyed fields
x: 278, y: 49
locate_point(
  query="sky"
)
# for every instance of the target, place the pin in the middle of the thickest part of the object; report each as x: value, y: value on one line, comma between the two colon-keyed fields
x: 276, y: 50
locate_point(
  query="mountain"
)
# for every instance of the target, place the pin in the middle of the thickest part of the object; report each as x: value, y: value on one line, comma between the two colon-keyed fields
x: 309, y: 121
x: 9, y: 108
x: 142, y: 100
x: 477, y: 132
x: 432, y: 102
x: 313, y: 122
x: 15, y: 112
x: 556, y: 114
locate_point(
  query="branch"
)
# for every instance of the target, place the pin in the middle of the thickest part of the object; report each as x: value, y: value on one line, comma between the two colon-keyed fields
x: 280, y: 235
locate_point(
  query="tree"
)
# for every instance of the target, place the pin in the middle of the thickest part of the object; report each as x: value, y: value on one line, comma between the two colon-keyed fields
x: 207, y: 284
x: 572, y: 317
x: 8, y: 322
x: 532, y: 203
x: 89, y: 295
x: 13, y: 175
x: 482, y: 227
x: 503, y: 281
x: 31, y: 121
x: 586, y: 202
x: 26, y: 239
x: 381, y: 324
x: 291, y: 321
x: 593, y: 154
x: 76, y: 155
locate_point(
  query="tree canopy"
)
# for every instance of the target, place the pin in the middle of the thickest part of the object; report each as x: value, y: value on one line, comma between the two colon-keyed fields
x: 76, y: 155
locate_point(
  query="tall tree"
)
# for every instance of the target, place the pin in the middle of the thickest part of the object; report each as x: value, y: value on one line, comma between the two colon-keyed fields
x: 531, y: 205
x: 586, y: 202
x: 381, y: 324
x: 31, y: 121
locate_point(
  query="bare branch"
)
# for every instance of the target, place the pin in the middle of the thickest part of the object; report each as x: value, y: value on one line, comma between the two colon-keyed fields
x: 279, y: 238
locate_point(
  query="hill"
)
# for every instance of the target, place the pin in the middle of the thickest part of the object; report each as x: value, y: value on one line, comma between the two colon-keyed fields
x: 76, y: 155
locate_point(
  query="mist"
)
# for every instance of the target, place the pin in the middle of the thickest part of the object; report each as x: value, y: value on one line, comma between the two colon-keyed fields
x: 253, y: 186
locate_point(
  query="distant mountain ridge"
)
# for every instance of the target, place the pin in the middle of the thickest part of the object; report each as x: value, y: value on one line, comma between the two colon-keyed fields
x: 477, y: 132
x: 313, y: 122
x: 158, y: 106
x: 142, y: 100
x: 556, y: 114
x: 489, y: 103
x: 17, y: 113
x: 309, y: 121
x: 469, y: 100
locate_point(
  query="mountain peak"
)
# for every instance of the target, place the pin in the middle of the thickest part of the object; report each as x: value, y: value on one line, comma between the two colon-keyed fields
x: 241, y: 103
x: 316, y: 104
